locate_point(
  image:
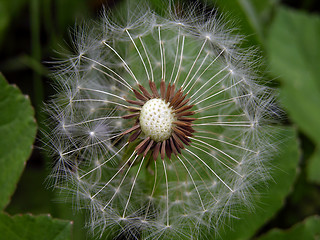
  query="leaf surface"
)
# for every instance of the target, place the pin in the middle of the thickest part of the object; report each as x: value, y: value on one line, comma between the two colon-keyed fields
x: 294, y: 53
x: 17, y: 133
x: 28, y: 227
x: 308, y: 229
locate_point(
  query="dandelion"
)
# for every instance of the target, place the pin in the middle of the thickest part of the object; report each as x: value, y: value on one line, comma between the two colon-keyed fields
x: 159, y: 125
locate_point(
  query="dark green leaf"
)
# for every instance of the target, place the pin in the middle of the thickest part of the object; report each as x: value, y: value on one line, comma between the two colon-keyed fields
x: 28, y: 227
x: 308, y: 229
x: 253, y: 16
x: 17, y: 133
x: 313, y: 167
x: 293, y: 47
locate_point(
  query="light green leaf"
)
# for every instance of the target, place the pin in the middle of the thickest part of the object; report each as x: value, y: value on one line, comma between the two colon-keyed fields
x: 272, y: 199
x: 28, y: 227
x: 294, y: 51
x: 17, y: 133
x: 308, y: 229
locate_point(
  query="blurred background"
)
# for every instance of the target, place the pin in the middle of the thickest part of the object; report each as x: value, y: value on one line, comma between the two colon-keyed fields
x: 33, y: 32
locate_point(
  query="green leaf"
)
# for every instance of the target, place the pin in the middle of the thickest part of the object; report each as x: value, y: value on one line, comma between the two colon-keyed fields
x: 284, y: 172
x: 313, y: 167
x: 253, y: 16
x: 294, y: 52
x: 17, y: 133
x: 28, y: 227
x: 308, y: 229
x: 24, y: 201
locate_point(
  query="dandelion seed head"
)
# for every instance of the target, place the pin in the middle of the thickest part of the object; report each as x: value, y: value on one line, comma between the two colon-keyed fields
x: 159, y: 125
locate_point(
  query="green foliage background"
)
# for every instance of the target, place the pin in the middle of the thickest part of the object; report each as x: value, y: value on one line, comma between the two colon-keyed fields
x: 288, y: 34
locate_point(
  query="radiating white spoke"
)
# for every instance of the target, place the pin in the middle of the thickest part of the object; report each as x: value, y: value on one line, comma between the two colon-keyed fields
x: 178, y: 180
x: 216, y: 104
x: 100, y: 165
x: 103, y: 92
x: 220, y: 115
x: 91, y: 145
x: 198, y: 69
x: 100, y: 100
x: 226, y: 124
x: 112, y: 77
x: 131, y: 190
x: 148, y: 59
x: 217, y: 149
x: 212, y: 62
x: 217, y: 159
x: 144, y: 65
x: 176, y: 56
x: 120, y: 184
x: 237, y: 122
x: 56, y: 61
x: 128, y: 69
x: 199, y: 175
x: 91, y: 120
x: 210, y: 96
x: 109, y: 69
x: 223, y: 182
x: 69, y: 64
x: 163, y: 77
x: 193, y: 182
x: 217, y: 93
x: 164, y: 60
x: 153, y: 188
x: 213, y: 77
x: 224, y: 209
x: 167, y: 187
x: 193, y: 64
x: 181, y: 57
x: 113, y: 177
x: 233, y: 145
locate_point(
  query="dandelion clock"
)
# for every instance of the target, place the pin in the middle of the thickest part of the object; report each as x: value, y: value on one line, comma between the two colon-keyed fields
x: 159, y: 128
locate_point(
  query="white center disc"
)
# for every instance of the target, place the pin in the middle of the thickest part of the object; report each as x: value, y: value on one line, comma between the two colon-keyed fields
x: 156, y: 118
